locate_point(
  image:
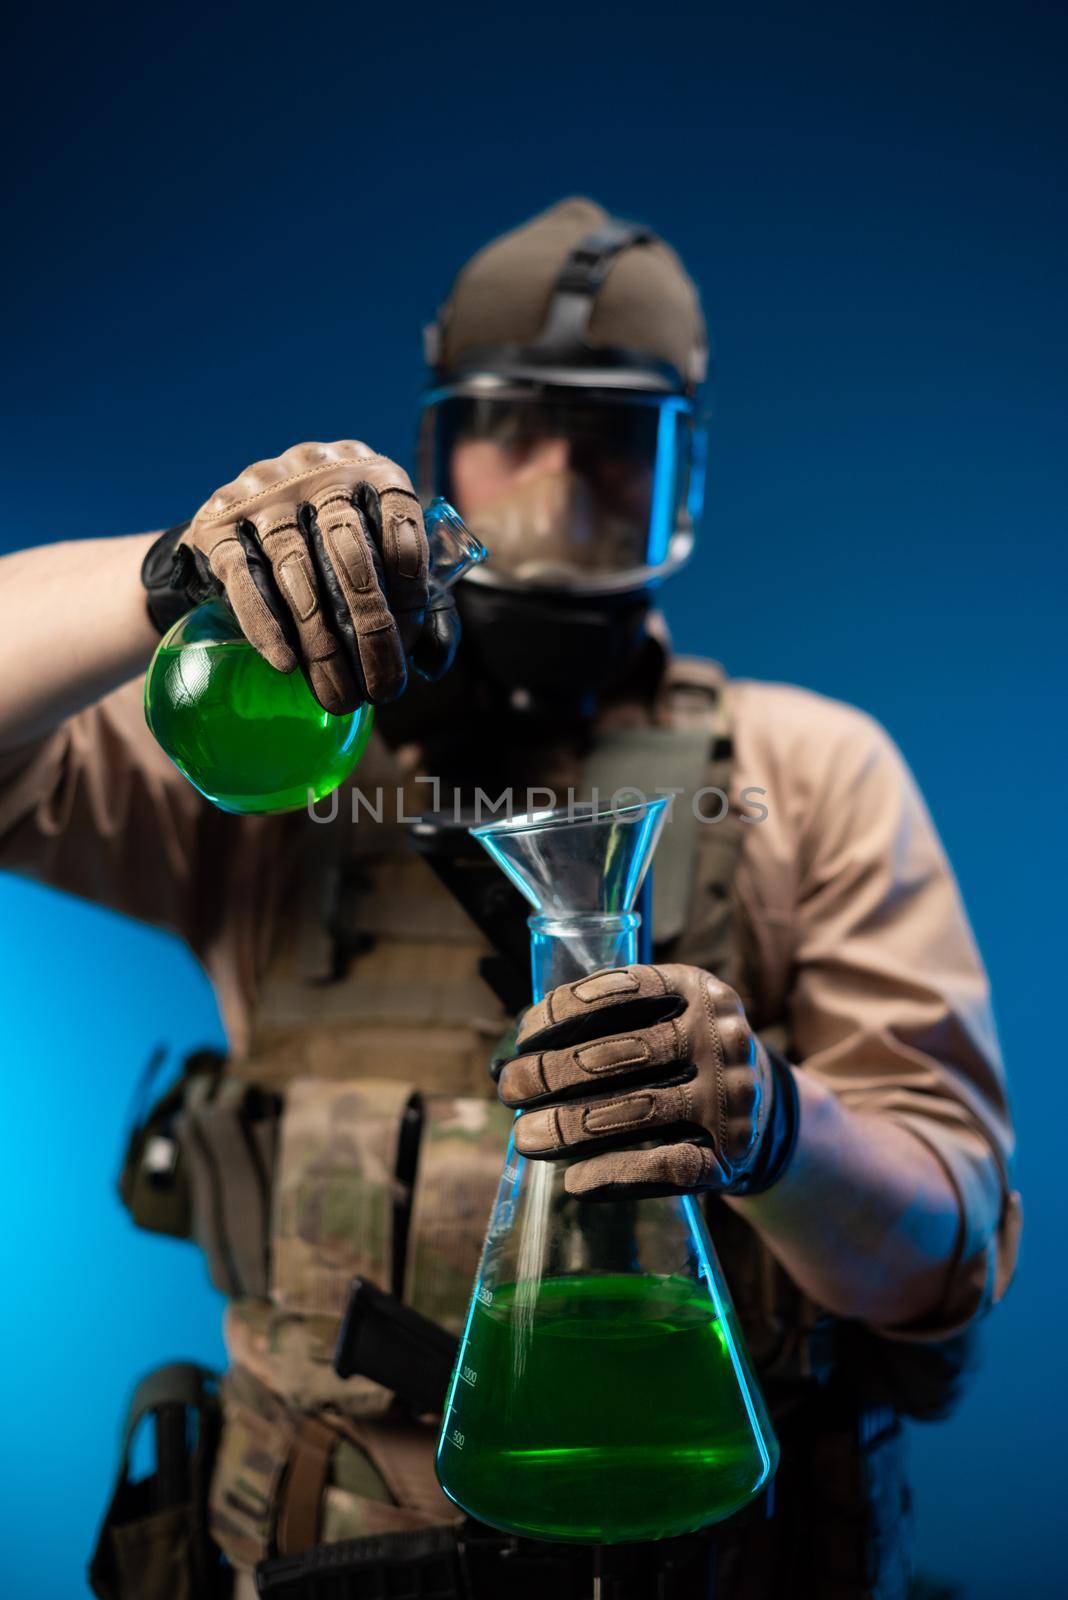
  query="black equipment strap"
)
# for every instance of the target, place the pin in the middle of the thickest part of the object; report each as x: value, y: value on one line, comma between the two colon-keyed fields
x: 579, y: 281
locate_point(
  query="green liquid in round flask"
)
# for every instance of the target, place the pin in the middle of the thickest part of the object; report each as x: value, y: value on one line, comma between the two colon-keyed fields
x: 254, y: 740
x: 248, y: 737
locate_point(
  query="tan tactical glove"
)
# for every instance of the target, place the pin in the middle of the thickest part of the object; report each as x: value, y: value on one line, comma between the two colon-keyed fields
x: 322, y: 555
x: 661, y: 1058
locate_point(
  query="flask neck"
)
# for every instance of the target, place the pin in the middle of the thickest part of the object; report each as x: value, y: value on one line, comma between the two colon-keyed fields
x: 565, y: 948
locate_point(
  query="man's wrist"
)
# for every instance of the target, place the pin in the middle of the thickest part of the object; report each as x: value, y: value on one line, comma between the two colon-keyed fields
x: 779, y: 1143
x: 168, y: 596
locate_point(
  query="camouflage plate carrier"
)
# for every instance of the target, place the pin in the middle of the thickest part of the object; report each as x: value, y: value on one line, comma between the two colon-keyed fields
x: 374, y: 1014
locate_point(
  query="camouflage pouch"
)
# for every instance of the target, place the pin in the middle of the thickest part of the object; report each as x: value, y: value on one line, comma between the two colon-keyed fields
x: 336, y: 1192
x: 461, y: 1155
x: 252, y: 1458
x: 293, y: 1355
x: 286, y: 1480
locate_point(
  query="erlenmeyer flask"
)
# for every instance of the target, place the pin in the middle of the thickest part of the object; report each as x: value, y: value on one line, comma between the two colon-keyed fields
x: 254, y: 740
x: 602, y: 1390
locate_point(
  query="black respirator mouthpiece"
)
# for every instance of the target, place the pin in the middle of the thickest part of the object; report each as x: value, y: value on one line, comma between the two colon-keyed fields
x: 551, y: 653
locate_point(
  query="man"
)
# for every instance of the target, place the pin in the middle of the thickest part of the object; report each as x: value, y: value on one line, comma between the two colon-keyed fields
x: 815, y: 1048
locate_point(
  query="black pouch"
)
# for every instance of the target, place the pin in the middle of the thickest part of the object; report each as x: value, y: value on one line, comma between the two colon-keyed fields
x: 154, y: 1179
x: 154, y: 1542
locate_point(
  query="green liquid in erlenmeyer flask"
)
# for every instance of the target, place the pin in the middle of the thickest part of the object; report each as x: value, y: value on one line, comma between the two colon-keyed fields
x: 616, y: 1415
x: 249, y: 738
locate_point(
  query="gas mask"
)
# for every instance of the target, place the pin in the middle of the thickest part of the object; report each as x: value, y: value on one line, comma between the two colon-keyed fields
x: 584, y: 500
x: 565, y: 431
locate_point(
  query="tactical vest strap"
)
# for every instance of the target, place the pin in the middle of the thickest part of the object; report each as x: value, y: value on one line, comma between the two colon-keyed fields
x: 303, y: 1488
x: 293, y: 1356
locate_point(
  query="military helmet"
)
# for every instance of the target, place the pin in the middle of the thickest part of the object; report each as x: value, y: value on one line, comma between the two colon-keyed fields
x: 560, y: 416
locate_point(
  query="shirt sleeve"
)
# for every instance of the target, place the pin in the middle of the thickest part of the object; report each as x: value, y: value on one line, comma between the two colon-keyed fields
x: 891, y: 1007
x: 96, y: 809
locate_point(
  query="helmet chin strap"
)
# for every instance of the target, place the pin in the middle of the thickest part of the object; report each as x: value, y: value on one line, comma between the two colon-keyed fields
x: 552, y: 656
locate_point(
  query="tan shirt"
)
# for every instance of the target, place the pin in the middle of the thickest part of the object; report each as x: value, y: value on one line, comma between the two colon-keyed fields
x: 862, y: 940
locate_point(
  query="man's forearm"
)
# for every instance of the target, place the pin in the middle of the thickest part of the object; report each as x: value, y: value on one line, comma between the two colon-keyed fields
x: 865, y: 1219
x: 73, y: 626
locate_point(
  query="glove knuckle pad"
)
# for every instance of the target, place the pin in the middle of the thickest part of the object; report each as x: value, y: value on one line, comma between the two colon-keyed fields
x: 720, y: 995
x: 608, y: 1055
x: 605, y: 987
x: 734, y: 1038
x: 617, y: 1116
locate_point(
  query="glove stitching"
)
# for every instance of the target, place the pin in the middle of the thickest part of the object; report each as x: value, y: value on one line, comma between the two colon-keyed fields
x: 613, y: 1105
x: 396, y: 558
x: 300, y: 477
x: 253, y: 596
x: 680, y: 1053
x: 363, y: 581
x: 336, y: 497
x: 705, y: 1166
x: 721, y: 1085
x: 291, y: 570
x: 643, y: 1055
x: 286, y: 525
x: 229, y: 538
x: 370, y: 633
x: 328, y: 655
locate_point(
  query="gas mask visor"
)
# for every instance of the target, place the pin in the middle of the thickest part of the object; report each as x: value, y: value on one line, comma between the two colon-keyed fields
x: 573, y: 490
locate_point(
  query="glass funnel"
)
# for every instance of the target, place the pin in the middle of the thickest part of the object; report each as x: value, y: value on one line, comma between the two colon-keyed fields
x: 602, y: 1390
x: 254, y: 740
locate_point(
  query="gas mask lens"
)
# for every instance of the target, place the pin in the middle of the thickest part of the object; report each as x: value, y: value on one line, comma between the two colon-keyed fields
x: 570, y: 491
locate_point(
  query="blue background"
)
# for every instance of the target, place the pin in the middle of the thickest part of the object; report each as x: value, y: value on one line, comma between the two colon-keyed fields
x: 225, y: 231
